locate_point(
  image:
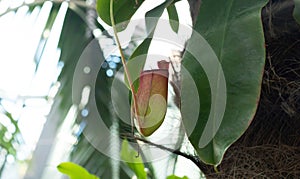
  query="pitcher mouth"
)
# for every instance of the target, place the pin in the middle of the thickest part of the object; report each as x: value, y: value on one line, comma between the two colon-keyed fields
x: 162, y: 72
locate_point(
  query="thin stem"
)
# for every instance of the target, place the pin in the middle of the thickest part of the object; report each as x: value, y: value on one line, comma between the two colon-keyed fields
x: 124, y: 64
x: 192, y: 158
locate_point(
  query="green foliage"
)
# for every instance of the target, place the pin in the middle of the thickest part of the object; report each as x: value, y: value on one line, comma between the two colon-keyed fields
x: 234, y: 31
x: 173, y: 16
x: 123, y: 10
x: 296, y: 12
x: 83, y: 152
x: 176, y: 177
x: 70, y: 55
x: 154, y: 14
x: 134, y: 162
x: 136, y: 62
x: 75, y: 171
x: 7, y: 144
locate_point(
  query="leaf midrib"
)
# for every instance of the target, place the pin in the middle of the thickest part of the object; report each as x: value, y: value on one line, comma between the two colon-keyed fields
x: 225, y: 29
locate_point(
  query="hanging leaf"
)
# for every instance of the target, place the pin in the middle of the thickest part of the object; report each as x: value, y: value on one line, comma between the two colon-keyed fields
x: 136, y: 63
x: 227, y: 70
x: 75, y: 171
x: 137, y: 60
x: 123, y: 10
x: 296, y: 12
x: 129, y: 155
x: 173, y: 17
x: 153, y: 15
x: 151, y: 100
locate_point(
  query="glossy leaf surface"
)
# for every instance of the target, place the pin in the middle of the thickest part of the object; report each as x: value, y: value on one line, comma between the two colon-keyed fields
x: 234, y: 36
x: 123, y: 10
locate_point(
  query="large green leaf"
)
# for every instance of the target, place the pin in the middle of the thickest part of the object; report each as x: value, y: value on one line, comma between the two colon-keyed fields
x: 123, y: 10
x: 226, y: 66
x: 296, y: 12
